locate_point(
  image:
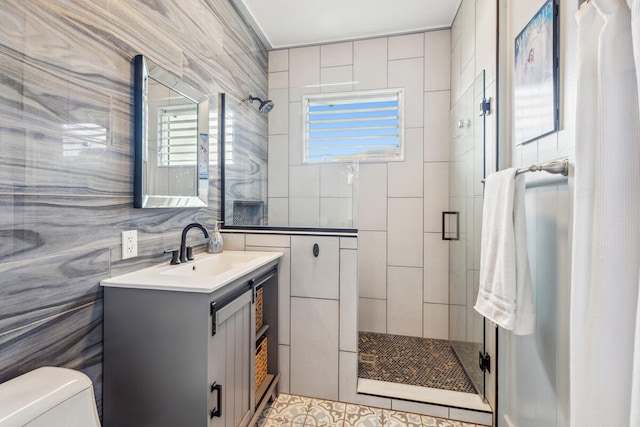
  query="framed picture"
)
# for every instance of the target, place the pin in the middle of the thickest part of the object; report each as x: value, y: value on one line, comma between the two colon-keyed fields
x: 535, y: 76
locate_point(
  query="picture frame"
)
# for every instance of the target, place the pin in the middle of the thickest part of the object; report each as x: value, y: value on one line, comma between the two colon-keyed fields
x: 535, y: 76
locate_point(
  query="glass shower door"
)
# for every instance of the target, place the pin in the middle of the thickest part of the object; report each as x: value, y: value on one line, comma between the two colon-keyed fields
x: 461, y: 225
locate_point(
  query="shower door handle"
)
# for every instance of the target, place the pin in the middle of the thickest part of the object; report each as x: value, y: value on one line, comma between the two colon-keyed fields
x: 449, y: 219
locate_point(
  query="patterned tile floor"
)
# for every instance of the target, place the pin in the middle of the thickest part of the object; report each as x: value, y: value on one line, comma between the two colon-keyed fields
x: 415, y: 361
x: 297, y: 411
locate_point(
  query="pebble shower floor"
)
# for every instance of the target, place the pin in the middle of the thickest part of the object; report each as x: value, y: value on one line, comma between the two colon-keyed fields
x: 296, y: 411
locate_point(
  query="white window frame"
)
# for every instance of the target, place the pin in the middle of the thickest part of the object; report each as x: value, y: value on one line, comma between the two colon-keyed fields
x: 355, y: 96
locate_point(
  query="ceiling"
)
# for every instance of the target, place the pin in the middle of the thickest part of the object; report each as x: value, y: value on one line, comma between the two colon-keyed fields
x: 289, y: 23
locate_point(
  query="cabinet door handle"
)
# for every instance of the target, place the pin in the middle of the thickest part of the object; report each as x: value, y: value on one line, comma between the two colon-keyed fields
x: 217, y: 412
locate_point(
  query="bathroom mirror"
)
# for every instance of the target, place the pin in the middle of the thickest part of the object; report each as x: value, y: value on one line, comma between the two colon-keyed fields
x: 171, y: 139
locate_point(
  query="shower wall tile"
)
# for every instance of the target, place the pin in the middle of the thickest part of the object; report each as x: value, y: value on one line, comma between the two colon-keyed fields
x: 336, y: 212
x: 304, y: 211
x: 335, y: 55
x: 372, y: 198
x: 279, y: 116
x: 436, y: 321
x: 437, y: 50
x: 67, y: 153
x: 372, y: 315
x: 304, y: 72
x: 370, y: 64
x: 279, y: 80
x: 436, y: 269
x: 435, y: 174
x: 336, y: 79
x: 409, y: 74
x: 404, y: 177
x: 278, y: 60
x: 311, y: 276
x: 407, y: 46
x: 278, y: 161
x: 436, y: 126
x: 372, y: 265
x: 295, y: 133
x: 336, y: 180
x: 404, y: 301
x: 304, y: 181
x: 278, y: 211
x: 405, y: 234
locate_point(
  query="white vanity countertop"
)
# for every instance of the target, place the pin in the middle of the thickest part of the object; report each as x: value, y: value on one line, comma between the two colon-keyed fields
x: 206, y: 274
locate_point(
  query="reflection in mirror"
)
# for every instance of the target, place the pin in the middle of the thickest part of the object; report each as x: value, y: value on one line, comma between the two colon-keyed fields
x: 171, y: 140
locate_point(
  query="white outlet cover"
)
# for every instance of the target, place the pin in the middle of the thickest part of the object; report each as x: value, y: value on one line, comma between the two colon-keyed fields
x: 129, y: 244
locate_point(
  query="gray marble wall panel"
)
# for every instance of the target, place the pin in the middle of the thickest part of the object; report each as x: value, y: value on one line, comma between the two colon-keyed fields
x: 66, y: 157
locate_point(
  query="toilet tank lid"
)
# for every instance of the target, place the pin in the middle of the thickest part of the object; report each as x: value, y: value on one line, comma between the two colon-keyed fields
x: 28, y: 396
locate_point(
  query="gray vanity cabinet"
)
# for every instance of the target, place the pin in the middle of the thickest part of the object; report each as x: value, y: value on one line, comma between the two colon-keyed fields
x: 184, y: 359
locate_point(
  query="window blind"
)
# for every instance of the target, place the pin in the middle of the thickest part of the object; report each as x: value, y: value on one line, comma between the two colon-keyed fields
x: 364, y: 126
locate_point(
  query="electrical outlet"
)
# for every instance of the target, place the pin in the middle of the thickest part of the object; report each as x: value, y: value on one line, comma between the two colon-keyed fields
x: 129, y: 244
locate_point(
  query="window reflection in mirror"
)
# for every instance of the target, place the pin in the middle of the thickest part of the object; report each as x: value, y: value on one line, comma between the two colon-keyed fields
x: 172, y: 140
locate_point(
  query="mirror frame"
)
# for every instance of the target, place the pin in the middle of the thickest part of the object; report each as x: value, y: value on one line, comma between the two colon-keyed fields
x: 144, y: 69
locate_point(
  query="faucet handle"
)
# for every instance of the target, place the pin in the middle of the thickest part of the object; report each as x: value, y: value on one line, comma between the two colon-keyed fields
x: 175, y: 255
x: 190, y: 253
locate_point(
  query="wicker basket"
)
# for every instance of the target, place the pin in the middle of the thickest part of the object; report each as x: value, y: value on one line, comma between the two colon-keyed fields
x: 261, y: 361
x: 259, y: 320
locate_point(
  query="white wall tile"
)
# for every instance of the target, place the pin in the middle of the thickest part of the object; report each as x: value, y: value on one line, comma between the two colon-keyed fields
x: 269, y: 240
x: 284, y: 290
x: 436, y: 195
x: 348, y: 243
x: 349, y: 383
x: 304, y: 181
x: 336, y: 212
x: 407, y: 46
x: 372, y: 315
x: 404, y: 239
x: 349, y: 300
x: 279, y: 116
x: 284, y: 366
x: 372, y: 264
x: 372, y: 197
x: 420, y: 408
x: 336, y: 79
x: 436, y: 126
x: 233, y: 241
x: 278, y: 166
x: 404, y: 301
x: 437, y: 54
x: 436, y: 321
x: 278, y: 60
x: 314, y: 348
x: 436, y: 269
x: 476, y: 417
x: 486, y: 27
x: 336, y: 180
x: 405, y: 178
x: 458, y: 319
x: 467, y: 16
x: 304, y: 212
x: 456, y: 73
x: 279, y: 80
x: 333, y: 55
x: 304, y: 72
x: 278, y: 211
x: 370, y: 64
x: 295, y: 133
x: 315, y: 277
x: 409, y: 74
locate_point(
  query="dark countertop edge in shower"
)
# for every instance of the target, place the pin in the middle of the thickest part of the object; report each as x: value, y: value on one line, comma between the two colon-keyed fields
x: 303, y: 231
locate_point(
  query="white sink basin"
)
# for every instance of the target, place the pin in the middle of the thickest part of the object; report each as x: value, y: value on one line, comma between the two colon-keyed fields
x: 206, y: 273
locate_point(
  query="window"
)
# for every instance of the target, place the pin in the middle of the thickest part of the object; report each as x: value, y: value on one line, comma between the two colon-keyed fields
x: 362, y: 126
x: 178, y: 135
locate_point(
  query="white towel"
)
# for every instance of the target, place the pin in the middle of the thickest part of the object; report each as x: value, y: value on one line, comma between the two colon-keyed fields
x: 505, y: 296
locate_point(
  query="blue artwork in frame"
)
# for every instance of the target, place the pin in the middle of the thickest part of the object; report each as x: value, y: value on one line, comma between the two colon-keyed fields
x: 535, y: 76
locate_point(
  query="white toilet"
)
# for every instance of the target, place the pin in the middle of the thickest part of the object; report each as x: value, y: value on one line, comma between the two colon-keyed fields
x: 48, y: 397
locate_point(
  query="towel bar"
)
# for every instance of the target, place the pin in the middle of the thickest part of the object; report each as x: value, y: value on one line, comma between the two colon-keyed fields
x: 555, y: 167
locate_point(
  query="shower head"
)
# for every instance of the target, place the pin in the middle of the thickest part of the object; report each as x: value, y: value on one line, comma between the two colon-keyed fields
x: 265, y: 106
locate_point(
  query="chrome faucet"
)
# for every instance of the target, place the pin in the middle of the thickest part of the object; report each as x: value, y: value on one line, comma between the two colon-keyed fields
x: 186, y: 253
